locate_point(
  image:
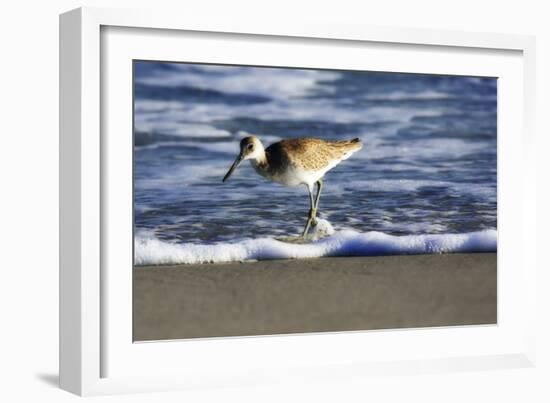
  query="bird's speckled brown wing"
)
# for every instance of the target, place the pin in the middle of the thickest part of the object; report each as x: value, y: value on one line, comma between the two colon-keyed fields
x: 309, y: 153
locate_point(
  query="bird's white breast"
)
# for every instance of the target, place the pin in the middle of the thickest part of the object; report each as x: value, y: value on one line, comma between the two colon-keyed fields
x: 294, y: 175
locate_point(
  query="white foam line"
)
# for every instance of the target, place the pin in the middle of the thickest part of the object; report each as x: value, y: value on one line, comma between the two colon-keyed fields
x: 270, y: 82
x: 151, y: 251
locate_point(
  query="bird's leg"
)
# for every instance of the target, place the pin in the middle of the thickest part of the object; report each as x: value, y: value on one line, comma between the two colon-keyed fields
x: 311, y: 214
x: 319, y: 188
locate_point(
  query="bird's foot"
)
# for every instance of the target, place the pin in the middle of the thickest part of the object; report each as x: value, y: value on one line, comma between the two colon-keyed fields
x: 306, y: 229
x: 312, y: 216
x: 293, y: 239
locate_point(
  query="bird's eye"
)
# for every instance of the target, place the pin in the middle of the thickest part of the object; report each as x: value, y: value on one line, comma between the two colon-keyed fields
x: 250, y: 146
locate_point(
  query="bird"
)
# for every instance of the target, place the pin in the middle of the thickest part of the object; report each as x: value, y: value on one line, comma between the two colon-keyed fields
x: 294, y: 162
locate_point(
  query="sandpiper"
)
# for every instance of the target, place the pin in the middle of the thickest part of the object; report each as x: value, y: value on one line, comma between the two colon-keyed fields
x: 298, y: 161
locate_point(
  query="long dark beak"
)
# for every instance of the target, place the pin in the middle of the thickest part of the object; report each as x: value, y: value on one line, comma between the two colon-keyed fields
x: 233, y: 167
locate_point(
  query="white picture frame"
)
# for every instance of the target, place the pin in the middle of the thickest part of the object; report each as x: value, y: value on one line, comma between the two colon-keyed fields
x: 96, y: 356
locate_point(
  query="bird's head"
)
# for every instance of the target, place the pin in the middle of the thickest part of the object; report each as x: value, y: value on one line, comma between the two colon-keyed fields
x: 251, y: 148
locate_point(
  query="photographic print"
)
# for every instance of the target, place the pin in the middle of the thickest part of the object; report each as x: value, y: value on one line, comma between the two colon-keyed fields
x: 274, y: 200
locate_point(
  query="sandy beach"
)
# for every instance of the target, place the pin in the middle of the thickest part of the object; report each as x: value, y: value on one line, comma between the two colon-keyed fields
x: 315, y: 295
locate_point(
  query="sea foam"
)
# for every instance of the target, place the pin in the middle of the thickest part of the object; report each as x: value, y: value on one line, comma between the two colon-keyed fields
x: 152, y: 251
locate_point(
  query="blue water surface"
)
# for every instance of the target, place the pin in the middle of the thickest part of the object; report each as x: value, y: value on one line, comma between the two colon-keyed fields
x: 428, y: 165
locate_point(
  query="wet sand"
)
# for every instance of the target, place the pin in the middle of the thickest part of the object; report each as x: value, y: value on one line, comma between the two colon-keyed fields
x: 315, y: 295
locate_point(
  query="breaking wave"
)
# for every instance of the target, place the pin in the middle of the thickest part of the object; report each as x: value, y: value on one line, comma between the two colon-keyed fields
x: 152, y: 251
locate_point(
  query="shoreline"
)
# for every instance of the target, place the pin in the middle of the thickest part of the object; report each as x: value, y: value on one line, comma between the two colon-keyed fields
x: 313, y: 295
x: 345, y: 243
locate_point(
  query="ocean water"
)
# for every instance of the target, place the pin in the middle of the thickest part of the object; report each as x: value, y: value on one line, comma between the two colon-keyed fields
x: 426, y: 175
